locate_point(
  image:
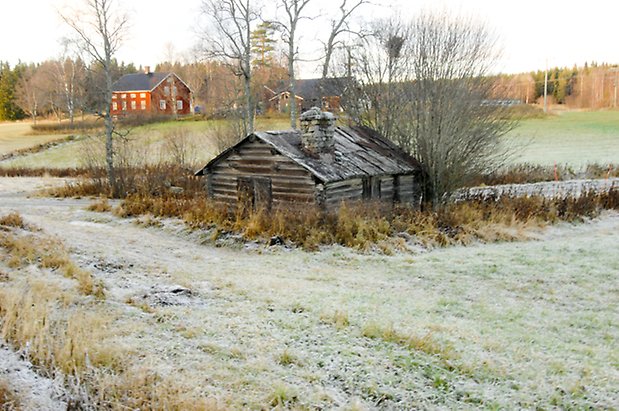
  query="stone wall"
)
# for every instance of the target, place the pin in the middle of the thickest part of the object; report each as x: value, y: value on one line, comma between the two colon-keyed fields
x: 550, y: 189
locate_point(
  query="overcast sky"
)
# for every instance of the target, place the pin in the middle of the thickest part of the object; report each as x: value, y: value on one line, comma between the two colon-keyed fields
x: 531, y: 31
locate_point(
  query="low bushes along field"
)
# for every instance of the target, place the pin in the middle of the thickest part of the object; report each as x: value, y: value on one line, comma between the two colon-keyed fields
x: 168, y: 192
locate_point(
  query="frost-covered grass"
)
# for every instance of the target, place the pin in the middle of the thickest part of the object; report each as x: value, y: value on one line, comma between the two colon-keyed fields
x: 505, y: 325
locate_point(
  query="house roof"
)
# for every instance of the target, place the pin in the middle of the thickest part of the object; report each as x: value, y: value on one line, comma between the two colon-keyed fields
x: 142, y: 81
x: 313, y: 89
x: 359, y: 152
x: 139, y: 81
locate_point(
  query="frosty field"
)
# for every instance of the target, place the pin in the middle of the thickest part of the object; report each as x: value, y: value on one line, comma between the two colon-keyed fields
x: 512, y: 325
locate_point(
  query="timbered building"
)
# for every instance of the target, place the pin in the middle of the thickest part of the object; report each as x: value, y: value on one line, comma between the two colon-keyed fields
x: 150, y: 93
x: 326, y: 93
x: 321, y: 165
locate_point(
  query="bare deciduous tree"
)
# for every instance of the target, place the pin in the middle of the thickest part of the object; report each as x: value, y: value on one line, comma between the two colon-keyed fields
x: 426, y: 86
x: 228, y: 37
x: 69, y: 75
x: 339, y: 26
x: 294, y: 13
x: 100, y: 27
x: 30, y: 91
x: 379, y: 73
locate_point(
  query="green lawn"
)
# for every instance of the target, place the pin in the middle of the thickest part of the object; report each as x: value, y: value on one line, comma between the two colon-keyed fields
x: 574, y: 138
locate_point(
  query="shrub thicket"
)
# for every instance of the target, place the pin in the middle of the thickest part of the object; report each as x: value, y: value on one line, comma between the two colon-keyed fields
x: 363, y: 225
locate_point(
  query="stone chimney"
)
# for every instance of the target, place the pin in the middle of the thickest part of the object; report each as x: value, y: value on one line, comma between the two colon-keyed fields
x: 318, y: 128
x: 146, y: 69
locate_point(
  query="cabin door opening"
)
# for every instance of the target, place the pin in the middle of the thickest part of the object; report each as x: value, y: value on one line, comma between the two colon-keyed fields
x: 254, y: 193
x: 371, y: 188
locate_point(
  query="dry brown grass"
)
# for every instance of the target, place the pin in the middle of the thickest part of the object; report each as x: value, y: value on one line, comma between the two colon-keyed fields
x: 374, y: 226
x: 66, y: 333
x: 101, y: 206
x: 48, y: 253
x: 13, y: 220
x: 339, y: 319
x: 363, y: 226
x: 8, y: 399
x: 81, y: 188
x: 43, y: 171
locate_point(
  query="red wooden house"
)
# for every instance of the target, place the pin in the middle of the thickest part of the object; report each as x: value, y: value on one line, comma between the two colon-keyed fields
x: 150, y: 94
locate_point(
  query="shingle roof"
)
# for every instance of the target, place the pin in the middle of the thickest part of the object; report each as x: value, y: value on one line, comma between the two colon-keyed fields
x: 359, y: 152
x: 139, y: 81
x: 312, y: 89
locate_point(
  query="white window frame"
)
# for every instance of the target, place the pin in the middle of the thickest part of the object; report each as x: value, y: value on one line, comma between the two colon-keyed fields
x: 143, y: 95
x: 114, y: 106
x: 132, y: 95
x: 166, y: 90
x: 179, y: 104
x: 124, y: 105
x: 162, y: 105
x: 133, y: 105
x: 143, y: 104
x: 123, y: 96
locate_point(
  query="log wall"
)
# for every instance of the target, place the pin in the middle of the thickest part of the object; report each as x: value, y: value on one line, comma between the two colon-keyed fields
x: 289, y: 181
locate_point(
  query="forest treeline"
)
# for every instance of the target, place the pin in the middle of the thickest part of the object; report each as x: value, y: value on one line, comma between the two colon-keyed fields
x: 67, y: 87
x: 592, y: 86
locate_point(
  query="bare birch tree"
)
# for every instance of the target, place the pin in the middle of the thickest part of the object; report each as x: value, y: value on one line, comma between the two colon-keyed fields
x: 294, y: 10
x: 428, y: 89
x: 68, y: 74
x: 100, y: 27
x: 339, y: 26
x: 228, y: 38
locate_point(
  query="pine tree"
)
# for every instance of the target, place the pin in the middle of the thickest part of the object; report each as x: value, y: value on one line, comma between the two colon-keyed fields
x: 9, y: 110
x: 262, y: 44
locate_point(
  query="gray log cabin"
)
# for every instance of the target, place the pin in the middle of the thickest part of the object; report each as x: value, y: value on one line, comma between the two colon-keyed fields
x: 320, y: 165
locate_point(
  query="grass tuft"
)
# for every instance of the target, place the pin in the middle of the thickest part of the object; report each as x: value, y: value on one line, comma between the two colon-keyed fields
x: 338, y: 318
x: 287, y: 358
x: 8, y: 399
x: 100, y: 206
x: 49, y: 253
x: 282, y: 396
x: 13, y: 220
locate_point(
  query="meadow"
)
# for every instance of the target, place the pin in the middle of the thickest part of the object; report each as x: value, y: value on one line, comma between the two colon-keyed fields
x: 523, y: 325
x: 570, y: 138
x: 169, y: 317
x: 203, y: 139
x: 573, y: 139
x: 18, y: 135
